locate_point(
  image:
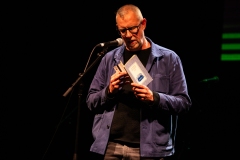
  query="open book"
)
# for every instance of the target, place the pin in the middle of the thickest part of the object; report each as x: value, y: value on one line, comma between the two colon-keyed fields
x: 135, y: 70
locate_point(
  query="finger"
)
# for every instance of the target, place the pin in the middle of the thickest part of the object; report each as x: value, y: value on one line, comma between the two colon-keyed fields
x: 139, y: 90
x: 117, y: 76
x: 141, y: 96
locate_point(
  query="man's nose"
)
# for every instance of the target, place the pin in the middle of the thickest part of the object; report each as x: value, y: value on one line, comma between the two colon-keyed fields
x: 128, y: 34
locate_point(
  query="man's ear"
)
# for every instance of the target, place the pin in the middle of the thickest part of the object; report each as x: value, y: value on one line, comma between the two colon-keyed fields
x: 144, y: 22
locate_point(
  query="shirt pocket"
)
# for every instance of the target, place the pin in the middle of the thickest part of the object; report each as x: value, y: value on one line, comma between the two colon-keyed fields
x: 160, y: 136
x: 160, y: 83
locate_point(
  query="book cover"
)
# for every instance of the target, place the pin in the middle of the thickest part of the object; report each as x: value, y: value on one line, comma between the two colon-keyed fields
x: 135, y: 70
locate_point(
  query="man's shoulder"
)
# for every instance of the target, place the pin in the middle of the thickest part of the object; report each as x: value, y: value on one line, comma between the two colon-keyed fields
x: 115, y: 53
x: 162, y: 51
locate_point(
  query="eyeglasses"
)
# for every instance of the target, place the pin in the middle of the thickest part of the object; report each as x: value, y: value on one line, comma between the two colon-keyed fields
x: 132, y: 30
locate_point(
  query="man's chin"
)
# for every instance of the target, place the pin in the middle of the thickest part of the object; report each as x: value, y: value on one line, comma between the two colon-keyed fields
x: 133, y: 48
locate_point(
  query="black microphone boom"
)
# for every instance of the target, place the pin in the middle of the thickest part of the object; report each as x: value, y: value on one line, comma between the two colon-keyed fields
x: 117, y: 42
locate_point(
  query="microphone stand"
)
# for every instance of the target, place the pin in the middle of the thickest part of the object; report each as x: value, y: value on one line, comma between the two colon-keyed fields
x: 78, y: 80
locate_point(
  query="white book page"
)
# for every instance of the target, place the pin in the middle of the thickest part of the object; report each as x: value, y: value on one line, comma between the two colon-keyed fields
x: 137, y: 71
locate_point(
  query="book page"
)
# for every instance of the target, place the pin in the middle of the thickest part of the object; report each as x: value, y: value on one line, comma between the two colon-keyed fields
x: 137, y: 71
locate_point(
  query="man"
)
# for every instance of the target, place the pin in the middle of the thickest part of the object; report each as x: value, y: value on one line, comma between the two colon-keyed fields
x: 137, y: 122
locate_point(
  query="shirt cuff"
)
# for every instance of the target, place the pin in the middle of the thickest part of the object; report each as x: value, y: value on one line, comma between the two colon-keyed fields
x: 156, y: 99
x: 108, y: 94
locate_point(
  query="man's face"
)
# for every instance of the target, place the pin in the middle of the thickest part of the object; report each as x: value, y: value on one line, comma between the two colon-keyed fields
x: 131, y: 30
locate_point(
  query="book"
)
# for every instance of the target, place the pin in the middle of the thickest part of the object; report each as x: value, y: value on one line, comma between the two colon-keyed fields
x: 135, y: 70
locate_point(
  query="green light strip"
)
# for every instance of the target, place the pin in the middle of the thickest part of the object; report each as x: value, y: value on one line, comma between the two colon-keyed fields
x: 231, y: 36
x: 230, y: 57
x: 231, y: 46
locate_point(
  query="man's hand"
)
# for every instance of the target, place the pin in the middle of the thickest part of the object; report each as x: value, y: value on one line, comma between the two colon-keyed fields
x: 142, y: 92
x: 117, y: 81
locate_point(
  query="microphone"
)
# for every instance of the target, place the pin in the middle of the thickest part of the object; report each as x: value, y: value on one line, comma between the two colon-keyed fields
x: 117, y: 42
x: 215, y: 78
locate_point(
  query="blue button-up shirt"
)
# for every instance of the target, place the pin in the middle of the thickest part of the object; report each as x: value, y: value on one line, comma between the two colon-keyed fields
x: 157, y: 129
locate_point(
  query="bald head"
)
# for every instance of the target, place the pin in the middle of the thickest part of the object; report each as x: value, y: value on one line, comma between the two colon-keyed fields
x: 129, y: 9
x: 131, y: 25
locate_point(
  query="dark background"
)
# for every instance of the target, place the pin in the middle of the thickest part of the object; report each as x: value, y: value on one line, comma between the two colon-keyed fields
x: 45, y: 46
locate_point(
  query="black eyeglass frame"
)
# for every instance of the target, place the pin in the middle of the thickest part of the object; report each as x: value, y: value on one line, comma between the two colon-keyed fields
x: 123, y: 31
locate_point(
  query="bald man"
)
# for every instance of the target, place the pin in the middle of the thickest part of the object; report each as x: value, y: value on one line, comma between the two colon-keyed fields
x: 132, y: 120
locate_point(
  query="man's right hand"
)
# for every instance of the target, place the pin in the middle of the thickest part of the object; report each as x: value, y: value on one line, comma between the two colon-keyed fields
x: 117, y: 81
